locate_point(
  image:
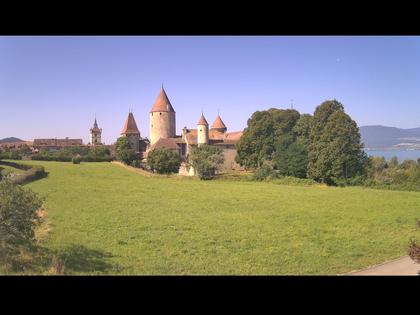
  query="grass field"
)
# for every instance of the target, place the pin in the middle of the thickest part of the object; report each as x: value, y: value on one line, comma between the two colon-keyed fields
x: 107, y: 219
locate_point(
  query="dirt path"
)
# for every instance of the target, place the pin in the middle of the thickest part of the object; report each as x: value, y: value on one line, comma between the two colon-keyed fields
x: 400, y: 267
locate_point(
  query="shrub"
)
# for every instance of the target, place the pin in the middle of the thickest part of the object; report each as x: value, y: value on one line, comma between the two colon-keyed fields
x: 124, y: 152
x: 75, y: 160
x: 164, y: 161
x: 414, y: 251
x: 206, y: 160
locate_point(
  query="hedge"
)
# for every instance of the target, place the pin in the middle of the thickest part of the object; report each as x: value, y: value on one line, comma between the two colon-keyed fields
x: 69, y: 158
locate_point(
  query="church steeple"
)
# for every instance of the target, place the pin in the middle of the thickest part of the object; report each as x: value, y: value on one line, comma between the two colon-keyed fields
x: 95, y: 134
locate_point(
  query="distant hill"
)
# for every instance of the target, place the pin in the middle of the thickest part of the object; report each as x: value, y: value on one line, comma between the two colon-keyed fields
x: 10, y: 140
x: 381, y: 137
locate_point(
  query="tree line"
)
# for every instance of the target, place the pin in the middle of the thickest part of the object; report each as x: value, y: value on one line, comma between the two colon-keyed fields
x: 325, y: 146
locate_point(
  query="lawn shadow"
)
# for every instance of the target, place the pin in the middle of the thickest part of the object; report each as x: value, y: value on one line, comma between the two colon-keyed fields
x: 74, y: 259
x: 80, y: 259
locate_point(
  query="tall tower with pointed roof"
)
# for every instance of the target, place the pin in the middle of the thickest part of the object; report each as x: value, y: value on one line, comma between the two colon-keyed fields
x: 131, y: 131
x: 202, y: 131
x: 162, y: 118
x: 95, y: 134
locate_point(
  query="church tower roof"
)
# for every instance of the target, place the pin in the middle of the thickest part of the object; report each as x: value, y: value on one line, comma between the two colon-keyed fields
x: 95, y: 127
x: 162, y: 103
x: 218, y: 123
x: 202, y: 120
x: 130, y: 126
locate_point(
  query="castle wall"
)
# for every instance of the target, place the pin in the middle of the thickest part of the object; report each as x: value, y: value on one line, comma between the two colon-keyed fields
x: 229, y: 163
x: 162, y: 125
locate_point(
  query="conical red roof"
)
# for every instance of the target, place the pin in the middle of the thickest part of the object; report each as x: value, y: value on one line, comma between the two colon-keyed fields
x: 218, y: 123
x: 130, y: 126
x: 202, y: 121
x: 162, y: 103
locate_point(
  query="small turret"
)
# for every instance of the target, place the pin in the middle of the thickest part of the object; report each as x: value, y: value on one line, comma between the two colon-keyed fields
x: 202, y: 131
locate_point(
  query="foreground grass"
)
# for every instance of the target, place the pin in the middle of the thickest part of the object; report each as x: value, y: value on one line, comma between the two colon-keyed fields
x: 106, y: 219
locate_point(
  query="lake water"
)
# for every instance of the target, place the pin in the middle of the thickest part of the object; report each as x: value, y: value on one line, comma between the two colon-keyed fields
x: 401, y: 154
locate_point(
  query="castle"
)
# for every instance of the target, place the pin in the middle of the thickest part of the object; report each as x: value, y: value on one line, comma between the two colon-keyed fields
x: 162, y: 119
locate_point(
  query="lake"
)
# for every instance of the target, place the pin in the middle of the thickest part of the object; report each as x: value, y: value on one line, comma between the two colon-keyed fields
x: 401, y: 154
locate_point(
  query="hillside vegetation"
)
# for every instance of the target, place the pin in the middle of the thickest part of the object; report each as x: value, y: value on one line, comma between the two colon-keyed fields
x: 105, y: 219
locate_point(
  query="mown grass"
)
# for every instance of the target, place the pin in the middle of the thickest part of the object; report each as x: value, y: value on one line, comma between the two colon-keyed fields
x: 105, y: 219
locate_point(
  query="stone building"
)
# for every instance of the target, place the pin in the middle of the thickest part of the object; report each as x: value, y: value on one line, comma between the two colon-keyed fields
x: 55, y: 144
x: 162, y: 134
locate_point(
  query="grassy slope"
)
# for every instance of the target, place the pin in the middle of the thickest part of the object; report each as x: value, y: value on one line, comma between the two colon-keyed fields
x: 110, y: 220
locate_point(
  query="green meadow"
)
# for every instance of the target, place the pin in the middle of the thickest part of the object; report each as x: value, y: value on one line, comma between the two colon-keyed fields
x: 105, y: 219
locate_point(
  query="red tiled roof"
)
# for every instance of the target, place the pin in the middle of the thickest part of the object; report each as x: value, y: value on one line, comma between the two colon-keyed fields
x: 218, y: 123
x: 130, y: 126
x: 202, y: 121
x: 234, y: 136
x: 162, y: 103
x: 216, y: 134
x: 57, y: 142
x: 168, y: 143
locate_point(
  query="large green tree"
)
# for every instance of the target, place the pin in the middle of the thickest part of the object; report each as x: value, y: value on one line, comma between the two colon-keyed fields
x: 335, y: 148
x: 264, y: 130
x: 124, y: 152
x: 164, y: 161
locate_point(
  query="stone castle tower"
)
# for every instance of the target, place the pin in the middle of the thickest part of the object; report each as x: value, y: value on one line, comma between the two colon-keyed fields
x: 202, y: 131
x: 131, y: 131
x: 95, y: 134
x: 162, y: 119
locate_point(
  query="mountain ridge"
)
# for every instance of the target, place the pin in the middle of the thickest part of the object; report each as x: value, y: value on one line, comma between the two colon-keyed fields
x: 385, y: 137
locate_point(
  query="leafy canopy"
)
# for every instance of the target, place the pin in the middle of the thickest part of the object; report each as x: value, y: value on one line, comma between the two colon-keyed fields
x: 124, y: 152
x: 206, y: 160
x: 164, y: 161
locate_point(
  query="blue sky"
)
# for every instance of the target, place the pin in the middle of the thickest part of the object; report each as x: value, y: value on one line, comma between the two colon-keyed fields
x: 52, y: 86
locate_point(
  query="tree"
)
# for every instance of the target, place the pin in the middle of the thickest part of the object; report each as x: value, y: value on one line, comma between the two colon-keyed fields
x: 24, y: 149
x: 264, y: 129
x: 164, y: 161
x: 206, y: 160
x: 335, y: 149
x: 18, y: 218
x: 98, y: 151
x: 302, y: 128
x: 393, y: 162
x: 124, y: 152
x: 291, y: 157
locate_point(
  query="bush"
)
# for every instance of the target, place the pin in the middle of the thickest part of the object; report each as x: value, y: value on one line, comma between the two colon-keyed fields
x: 124, y: 152
x: 164, y: 161
x: 12, y: 155
x: 414, y: 251
x: 75, y: 160
x: 265, y: 172
x: 206, y: 160
x: 18, y: 219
